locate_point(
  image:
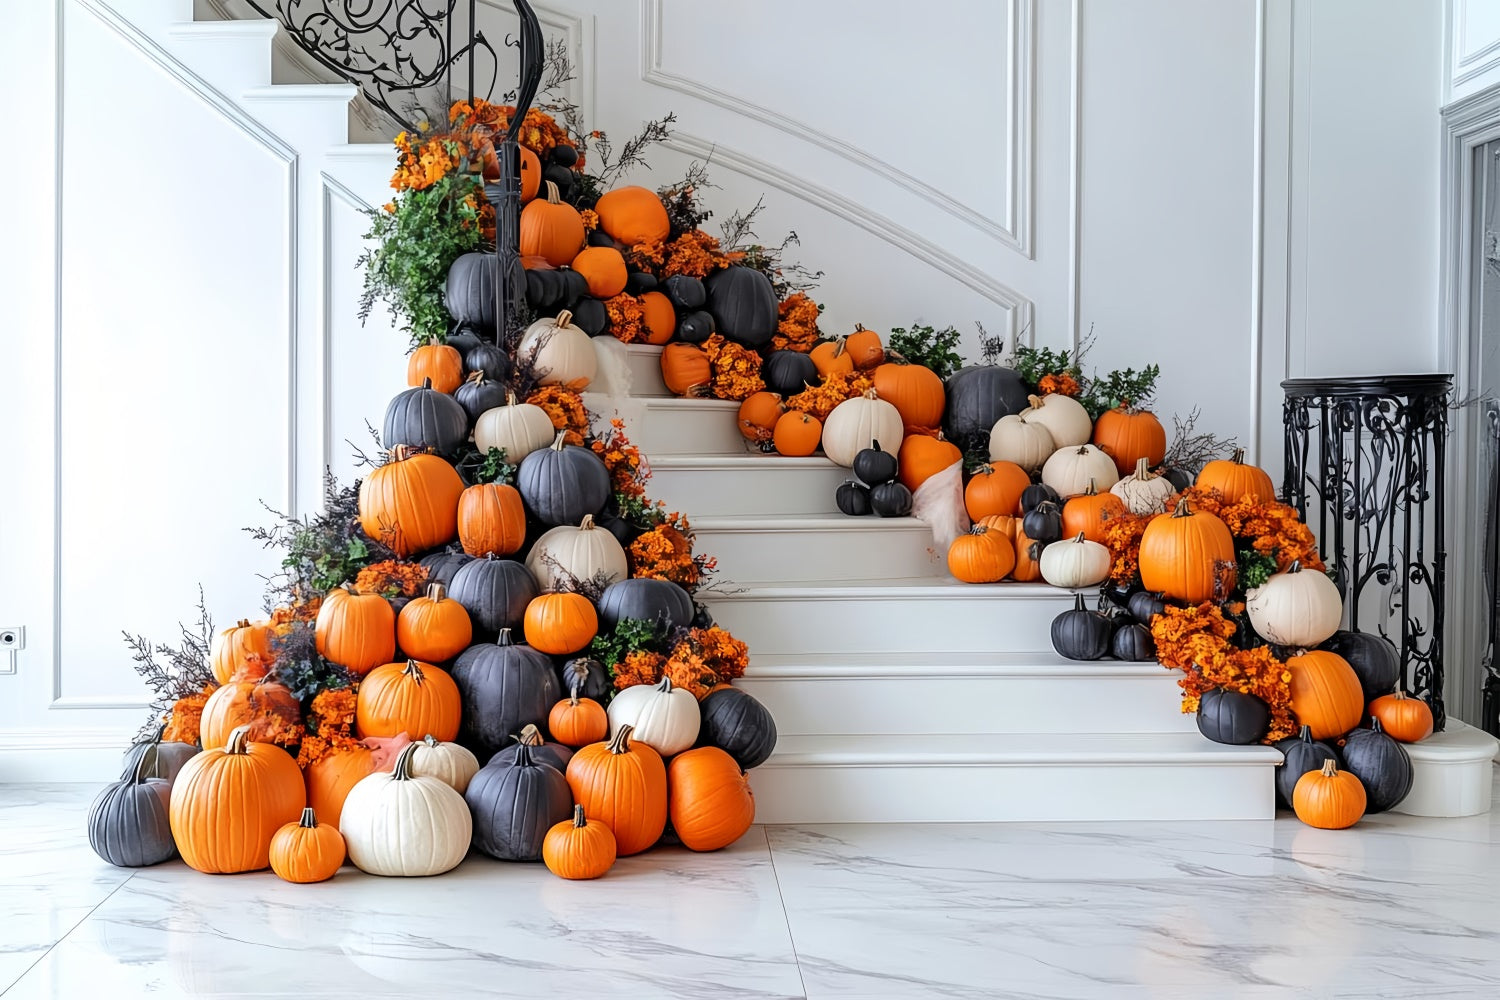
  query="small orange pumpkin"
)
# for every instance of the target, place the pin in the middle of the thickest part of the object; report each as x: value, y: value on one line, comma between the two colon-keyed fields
x: 1326, y: 694
x: 633, y: 215
x: 709, y: 799
x: 685, y: 370
x: 1329, y: 799
x: 576, y: 721
x: 434, y: 627
x: 758, y: 415
x: 864, y: 348
x: 410, y: 698
x: 230, y: 650
x: 560, y: 623
x: 660, y: 317
x: 356, y: 630
x: 1187, y: 555
x: 436, y: 361
x: 981, y: 556
x: 531, y: 170
x: 551, y: 228
x: 914, y: 390
x: 1089, y: 513
x: 1404, y: 718
x: 1127, y: 436
x: 1028, y: 559
x: 831, y: 358
x: 921, y: 457
x: 491, y: 520
x: 307, y: 851
x: 995, y: 489
x: 579, y: 848
x: 1234, y: 479
x: 797, y: 434
x: 604, y: 269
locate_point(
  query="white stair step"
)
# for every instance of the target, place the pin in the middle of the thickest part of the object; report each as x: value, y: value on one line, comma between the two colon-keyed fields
x: 934, y: 614
x: 749, y: 484
x: 812, y: 547
x: 999, y: 692
x: 645, y: 370
x: 232, y: 55
x: 308, y: 115
x: 1022, y: 777
x: 365, y: 168
x: 673, y: 426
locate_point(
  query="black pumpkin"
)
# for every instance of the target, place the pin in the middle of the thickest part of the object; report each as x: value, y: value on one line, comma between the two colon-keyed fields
x: 640, y: 282
x: 490, y: 359
x: 702, y: 617
x: 853, y: 499
x: 1144, y: 605
x: 575, y: 287
x: 422, y: 417
x: 129, y: 822
x: 1132, y: 641
x: 743, y: 305
x: 1301, y: 754
x: 1043, y: 523
x: 1381, y: 764
x: 1081, y: 633
x: 1373, y: 657
x: 695, y: 327
x: 504, y: 688
x: 1226, y: 716
x: 464, y: 340
x: 543, y: 289
x: 599, y: 238
x: 739, y: 725
x: 565, y: 179
x: 890, y: 500
x: 563, y: 155
x: 646, y: 599
x: 530, y: 738
x: 1180, y: 480
x: 590, y: 677
x: 469, y: 293
x: 494, y: 591
x: 563, y: 484
x: 685, y: 292
x: 590, y: 317
x: 1037, y: 494
x: 978, y: 396
x: 787, y: 373
x: 478, y: 394
x: 514, y: 805
x: 443, y: 564
x: 874, y: 465
x: 166, y: 760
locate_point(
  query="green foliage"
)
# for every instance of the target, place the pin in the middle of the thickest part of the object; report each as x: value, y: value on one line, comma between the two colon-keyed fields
x: 415, y: 245
x: 323, y: 549
x: 640, y: 511
x: 299, y: 666
x: 1122, y: 387
x: 1034, y: 363
x: 629, y: 635
x: 927, y: 346
x: 475, y: 468
x: 1255, y: 568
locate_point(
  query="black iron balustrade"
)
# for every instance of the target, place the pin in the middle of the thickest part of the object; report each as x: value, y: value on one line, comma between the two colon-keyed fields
x: 1490, y: 710
x: 1365, y: 469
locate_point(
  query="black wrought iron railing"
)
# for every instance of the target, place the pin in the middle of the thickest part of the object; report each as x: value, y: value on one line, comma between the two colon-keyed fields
x: 1490, y: 707
x: 1365, y: 467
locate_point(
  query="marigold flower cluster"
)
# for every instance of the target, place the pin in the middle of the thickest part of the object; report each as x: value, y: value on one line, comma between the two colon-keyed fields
x: 628, y: 470
x: 539, y: 131
x: 421, y: 163
x: 186, y: 716
x: 1122, y: 536
x: 391, y: 578
x: 666, y: 553
x: 694, y: 253
x: 797, y: 329
x: 627, y: 320
x: 1197, y: 641
x: 735, y: 369
x: 819, y: 400
x: 566, y: 410
x: 298, y: 611
x: 332, y: 712
x: 699, y: 659
x: 1271, y: 528
x: 1062, y: 383
x: 315, y: 748
x: 590, y: 220
x: 639, y: 667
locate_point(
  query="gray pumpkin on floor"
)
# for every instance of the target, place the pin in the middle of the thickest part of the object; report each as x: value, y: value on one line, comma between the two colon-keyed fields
x: 515, y: 803
x: 1381, y: 764
x: 164, y: 764
x: 129, y: 822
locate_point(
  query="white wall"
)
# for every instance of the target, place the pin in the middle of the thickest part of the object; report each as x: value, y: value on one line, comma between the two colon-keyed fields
x: 1211, y: 186
x: 1472, y: 56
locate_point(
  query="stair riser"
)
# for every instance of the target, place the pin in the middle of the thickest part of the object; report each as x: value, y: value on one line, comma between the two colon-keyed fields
x: 749, y: 490
x: 230, y: 64
x: 992, y: 704
x: 1018, y: 792
x: 676, y: 428
x: 645, y: 371
x: 770, y: 554
x: 303, y: 122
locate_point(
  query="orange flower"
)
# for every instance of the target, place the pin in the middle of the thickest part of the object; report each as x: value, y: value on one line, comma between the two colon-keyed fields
x: 315, y: 748
x: 332, y: 712
x: 640, y: 667
x: 627, y: 320
x: 1061, y: 383
x: 185, y: 717
x: 705, y: 657
x: 736, y: 369
x: 628, y: 471
x: 566, y: 410
x: 798, y: 326
x: 819, y: 400
x: 1197, y: 642
x: 392, y: 578
x: 694, y: 253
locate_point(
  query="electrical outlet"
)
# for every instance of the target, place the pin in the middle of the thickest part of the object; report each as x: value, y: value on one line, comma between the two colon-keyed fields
x: 12, y: 641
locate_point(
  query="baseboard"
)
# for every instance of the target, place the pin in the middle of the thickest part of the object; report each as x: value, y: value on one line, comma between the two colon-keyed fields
x: 62, y: 754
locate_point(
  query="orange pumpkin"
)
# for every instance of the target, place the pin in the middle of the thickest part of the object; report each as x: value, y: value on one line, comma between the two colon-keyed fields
x: 709, y: 799
x: 551, y: 228
x: 995, y: 489
x: 1329, y: 799
x: 576, y: 721
x: 579, y: 848
x: 914, y: 390
x: 1326, y: 695
x: 831, y: 358
x: 624, y: 786
x: 307, y: 851
x: 758, y: 415
x: 685, y: 370
x: 228, y: 803
x: 561, y: 623
x: 660, y: 317
x: 1089, y: 513
x: 434, y: 627
x: 230, y: 650
x: 330, y: 777
x: 1187, y: 555
x: 356, y: 630
x: 491, y: 520
x: 411, y: 502
x: 981, y: 556
x: 1404, y: 718
x: 1028, y: 559
x: 1005, y: 524
x: 1234, y: 479
x: 410, y: 698
x: 864, y: 348
x: 797, y: 434
x: 438, y: 362
x: 633, y: 215
x: 922, y: 457
x: 1127, y: 436
x: 531, y: 170
x: 262, y: 706
x: 604, y: 269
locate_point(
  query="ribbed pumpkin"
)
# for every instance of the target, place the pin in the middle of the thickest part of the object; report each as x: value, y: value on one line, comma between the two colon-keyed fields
x: 307, y: 851
x: 261, y: 706
x: 797, y: 434
x: 1234, y: 479
x: 995, y: 489
x: 1006, y: 524
x: 1329, y: 799
x: 1028, y: 559
x: 1072, y: 471
x: 1295, y: 607
x: 1063, y: 416
x: 579, y: 848
x: 914, y: 390
x: 577, y: 721
x: 981, y: 556
x: 569, y: 558
x: 1090, y: 513
x: 1406, y: 719
x: 560, y: 623
x: 1186, y: 555
x: 450, y: 763
x: 436, y: 361
x: 1013, y: 438
x: 560, y: 353
x: 433, y: 627
x: 551, y: 228
x: 758, y: 415
x: 491, y: 520
x: 518, y: 429
x: 356, y: 630
x: 604, y: 269
x: 410, y: 698
x: 685, y: 370
x: 624, y: 786
x: 228, y: 803
x: 709, y: 799
x: 921, y: 457
x: 1142, y: 491
x: 410, y: 503
x: 633, y: 215
x: 831, y: 358
x: 231, y: 648
x: 1326, y: 696
x: 660, y: 317
x: 864, y: 348
x: 330, y: 777
x: 1127, y: 436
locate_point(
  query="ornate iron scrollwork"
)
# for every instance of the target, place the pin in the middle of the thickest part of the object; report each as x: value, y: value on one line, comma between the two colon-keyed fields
x: 1490, y: 711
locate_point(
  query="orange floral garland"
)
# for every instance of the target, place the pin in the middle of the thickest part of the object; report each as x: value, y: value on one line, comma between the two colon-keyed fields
x: 694, y: 253
x: 628, y: 470
x: 539, y: 131
x: 627, y: 320
x: 699, y: 659
x: 735, y: 369
x: 819, y: 400
x: 391, y: 578
x: 1196, y: 641
x: 798, y: 326
x: 565, y: 409
x: 186, y: 716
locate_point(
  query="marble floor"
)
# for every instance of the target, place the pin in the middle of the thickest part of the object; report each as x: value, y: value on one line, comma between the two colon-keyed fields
x: 1398, y: 907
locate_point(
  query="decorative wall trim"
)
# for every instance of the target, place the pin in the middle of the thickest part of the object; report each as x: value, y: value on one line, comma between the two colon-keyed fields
x: 1014, y: 231
x: 332, y: 190
x: 1258, y: 238
x: 1075, y: 173
x: 1479, y: 62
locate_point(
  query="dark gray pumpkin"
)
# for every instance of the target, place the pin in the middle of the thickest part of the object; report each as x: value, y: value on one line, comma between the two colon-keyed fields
x: 469, y: 294
x: 685, y: 292
x: 443, y: 564
x: 590, y: 316
x: 479, y: 393
x: 1381, y: 764
x: 1301, y: 754
x: 788, y: 372
x: 647, y: 599
x: 165, y: 762
x: 890, y: 500
x: 695, y: 327
x: 590, y: 677
x: 874, y: 465
x: 514, y: 804
x: 1037, y: 494
x: 422, y: 417
x: 743, y: 305
x: 640, y: 282
x: 978, y: 396
x: 504, y: 688
x: 1226, y: 716
x: 494, y: 591
x: 563, y: 484
x: 1043, y: 523
x: 853, y: 499
x: 490, y: 359
x: 464, y: 340
x: 1132, y: 641
x: 530, y: 738
x: 1144, y: 605
x: 129, y: 822
x: 739, y: 725
x: 1081, y: 633
x: 1373, y: 657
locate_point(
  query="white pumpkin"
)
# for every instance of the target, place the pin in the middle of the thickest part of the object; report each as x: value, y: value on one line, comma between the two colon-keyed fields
x: 1297, y: 607
x: 1063, y: 416
x: 518, y: 429
x: 1016, y: 439
x: 560, y: 353
x: 1075, y: 562
x: 664, y: 718
x: 856, y: 424
x: 1070, y: 471
x: 397, y: 824
x: 453, y: 765
x: 565, y: 556
x: 1142, y: 492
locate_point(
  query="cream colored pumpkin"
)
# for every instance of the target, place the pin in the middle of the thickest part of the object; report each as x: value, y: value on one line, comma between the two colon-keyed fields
x: 561, y: 353
x: 1015, y: 439
x: 565, y: 556
x: 1298, y: 607
x: 663, y: 717
x: 856, y: 424
x: 518, y: 429
x: 1142, y: 492
x: 1063, y: 416
x: 397, y: 824
x: 1075, y: 562
x: 1070, y: 471
x: 453, y: 765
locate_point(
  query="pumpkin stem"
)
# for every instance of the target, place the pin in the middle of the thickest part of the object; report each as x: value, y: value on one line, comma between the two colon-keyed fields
x: 429, y: 740
x: 1398, y: 694
x: 238, y: 741
x: 554, y: 196
x: 621, y: 741
x: 402, y: 452
x: 1078, y: 604
x: 1330, y: 767
x: 1182, y: 509
x: 563, y: 318
x: 1295, y: 567
x: 309, y: 819
x: 530, y: 736
x: 1306, y: 734
x: 476, y: 376
x: 504, y: 638
x: 587, y: 524
x: 1080, y: 539
x: 242, y: 623
x: 1093, y: 490
x: 427, y: 383
x: 1035, y: 402
x: 573, y: 692
x: 402, y: 770
x: 1238, y: 458
x: 578, y: 821
x: 1142, y: 471
x: 413, y: 669
x: 510, y: 399
x: 665, y: 685
x: 436, y: 593
x: 141, y: 767
x: 557, y: 442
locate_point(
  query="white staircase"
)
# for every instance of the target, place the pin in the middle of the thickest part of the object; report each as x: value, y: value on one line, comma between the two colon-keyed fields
x: 900, y: 694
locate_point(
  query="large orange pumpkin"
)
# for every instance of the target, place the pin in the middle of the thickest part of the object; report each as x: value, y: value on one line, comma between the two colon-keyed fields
x: 411, y: 502
x: 230, y: 651
x: 831, y: 358
x: 307, y: 851
x: 228, y: 803
x: 921, y: 457
x: 758, y: 415
x: 995, y: 489
x: 551, y: 228
x: 624, y: 786
x: 660, y: 317
x: 1127, y: 436
x: 914, y: 390
x: 1234, y: 479
x: 438, y: 362
x: 709, y: 799
x: 356, y: 630
x: 1404, y: 718
x: 981, y: 556
x: 685, y: 370
x: 797, y: 434
x: 330, y: 777
x: 262, y: 706
x: 561, y: 623
x: 411, y: 698
x: 1326, y: 695
x: 1187, y: 555
x: 864, y: 348
x: 1089, y: 513
x: 491, y: 520
x: 604, y: 269
x: 434, y: 627
x: 633, y: 215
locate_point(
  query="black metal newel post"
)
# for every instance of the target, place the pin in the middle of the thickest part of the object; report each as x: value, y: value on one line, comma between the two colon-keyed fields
x: 1373, y: 491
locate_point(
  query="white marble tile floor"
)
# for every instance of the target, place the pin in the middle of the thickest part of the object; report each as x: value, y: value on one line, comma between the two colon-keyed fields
x: 1398, y: 907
